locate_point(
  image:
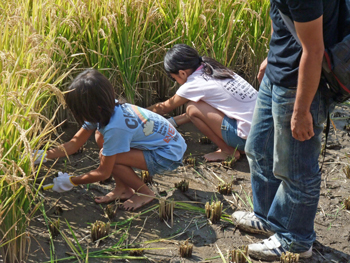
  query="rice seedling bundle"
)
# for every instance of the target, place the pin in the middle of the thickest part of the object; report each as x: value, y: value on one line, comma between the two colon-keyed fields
x: 213, y: 211
x: 229, y: 163
x: 225, y: 188
x: 346, y: 171
x: 111, y: 210
x: 239, y: 255
x: 166, y: 210
x: 54, y: 227
x: 205, y: 140
x: 145, y: 177
x: 99, y: 230
x: 186, y: 249
x: 347, y: 203
x: 182, y: 185
x: 136, y: 252
x: 289, y: 257
x: 190, y: 160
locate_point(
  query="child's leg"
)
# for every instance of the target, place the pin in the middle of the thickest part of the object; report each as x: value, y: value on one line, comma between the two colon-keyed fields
x: 124, y: 173
x: 208, y: 120
x: 99, y: 141
x: 121, y: 191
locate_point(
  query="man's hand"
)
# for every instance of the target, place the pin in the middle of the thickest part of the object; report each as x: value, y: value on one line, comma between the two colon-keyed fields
x: 62, y: 183
x: 262, y: 69
x: 301, y: 126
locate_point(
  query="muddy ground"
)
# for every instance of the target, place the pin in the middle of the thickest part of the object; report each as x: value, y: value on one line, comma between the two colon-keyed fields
x: 146, y: 230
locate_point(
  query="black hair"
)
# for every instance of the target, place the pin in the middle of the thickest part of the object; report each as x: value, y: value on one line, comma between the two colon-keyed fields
x: 182, y: 57
x: 91, y: 98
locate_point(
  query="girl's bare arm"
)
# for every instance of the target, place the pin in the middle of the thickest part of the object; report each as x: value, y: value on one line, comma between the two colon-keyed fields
x: 168, y: 105
x: 181, y: 119
x: 99, y: 174
x: 72, y: 146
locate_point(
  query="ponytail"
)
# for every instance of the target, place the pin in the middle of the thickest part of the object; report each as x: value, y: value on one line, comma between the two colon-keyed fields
x: 182, y: 57
x: 215, y: 69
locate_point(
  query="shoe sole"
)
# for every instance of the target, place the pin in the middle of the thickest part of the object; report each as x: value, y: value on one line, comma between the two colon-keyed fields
x: 252, y: 229
x: 257, y: 255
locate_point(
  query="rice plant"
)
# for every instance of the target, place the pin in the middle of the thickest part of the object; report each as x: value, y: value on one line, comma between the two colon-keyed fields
x: 28, y: 80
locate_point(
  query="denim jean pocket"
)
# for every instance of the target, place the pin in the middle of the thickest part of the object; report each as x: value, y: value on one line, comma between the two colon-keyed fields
x: 285, y: 99
x: 319, y: 109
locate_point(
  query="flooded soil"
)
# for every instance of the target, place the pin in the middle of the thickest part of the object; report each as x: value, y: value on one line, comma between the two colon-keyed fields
x: 161, y: 239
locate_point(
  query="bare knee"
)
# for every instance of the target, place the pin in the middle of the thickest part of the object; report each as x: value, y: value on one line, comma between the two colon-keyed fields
x: 192, y: 109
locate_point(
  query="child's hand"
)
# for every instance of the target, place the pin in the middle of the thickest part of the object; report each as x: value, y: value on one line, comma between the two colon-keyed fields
x: 173, y: 122
x: 39, y: 155
x: 62, y: 183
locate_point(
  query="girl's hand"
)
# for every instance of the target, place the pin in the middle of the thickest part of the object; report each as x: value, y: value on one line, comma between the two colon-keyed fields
x: 173, y: 122
x: 39, y: 155
x: 62, y: 183
x: 262, y: 70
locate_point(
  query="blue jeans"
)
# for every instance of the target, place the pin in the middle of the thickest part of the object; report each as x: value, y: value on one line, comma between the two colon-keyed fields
x: 285, y: 172
x: 229, y: 134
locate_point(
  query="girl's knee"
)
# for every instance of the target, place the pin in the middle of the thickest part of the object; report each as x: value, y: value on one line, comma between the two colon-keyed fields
x: 192, y: 108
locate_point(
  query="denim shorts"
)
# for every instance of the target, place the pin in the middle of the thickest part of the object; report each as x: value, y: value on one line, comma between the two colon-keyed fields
x: 158, y: 164
x: 229, y: 134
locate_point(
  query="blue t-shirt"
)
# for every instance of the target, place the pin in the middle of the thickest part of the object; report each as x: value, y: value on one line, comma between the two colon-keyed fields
x: 134, y: 127
x: 284, y: 54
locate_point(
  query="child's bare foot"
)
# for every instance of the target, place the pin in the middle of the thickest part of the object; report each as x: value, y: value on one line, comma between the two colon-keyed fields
x: 122, y: 194
x: 137, y: 201
x: 220, y: 156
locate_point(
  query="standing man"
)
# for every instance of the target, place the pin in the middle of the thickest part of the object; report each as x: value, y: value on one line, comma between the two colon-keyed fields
x: 285, y: 139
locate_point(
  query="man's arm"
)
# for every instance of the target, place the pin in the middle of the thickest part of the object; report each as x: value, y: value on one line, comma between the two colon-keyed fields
x: 311, y: 38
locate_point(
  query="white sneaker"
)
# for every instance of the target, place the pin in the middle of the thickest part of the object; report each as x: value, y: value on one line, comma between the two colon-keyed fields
x: 247, y: 221
x: 271, y: 250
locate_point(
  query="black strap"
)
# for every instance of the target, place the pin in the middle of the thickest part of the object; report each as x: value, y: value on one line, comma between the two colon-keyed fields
x: 325, y: 141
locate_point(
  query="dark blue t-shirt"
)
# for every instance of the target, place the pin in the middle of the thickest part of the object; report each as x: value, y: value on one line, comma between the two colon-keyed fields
x: 284, y: 54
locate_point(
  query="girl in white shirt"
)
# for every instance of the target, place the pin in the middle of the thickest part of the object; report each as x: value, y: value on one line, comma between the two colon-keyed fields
x: 218, y: 102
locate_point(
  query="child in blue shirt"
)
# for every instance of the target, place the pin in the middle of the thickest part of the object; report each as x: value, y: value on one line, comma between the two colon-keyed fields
x: 129, y: 137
